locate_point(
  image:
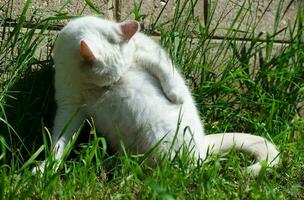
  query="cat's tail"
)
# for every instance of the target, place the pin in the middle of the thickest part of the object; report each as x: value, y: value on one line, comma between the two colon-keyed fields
x: 262, y: 149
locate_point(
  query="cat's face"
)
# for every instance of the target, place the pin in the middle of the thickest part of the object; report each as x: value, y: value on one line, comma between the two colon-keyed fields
x: 101, y: 52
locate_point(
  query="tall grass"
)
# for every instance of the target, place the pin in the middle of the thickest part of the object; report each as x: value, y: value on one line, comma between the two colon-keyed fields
x: 239, y: 85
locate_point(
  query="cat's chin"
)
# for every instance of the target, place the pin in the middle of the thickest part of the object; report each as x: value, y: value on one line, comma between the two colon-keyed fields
x: 104, y: 81
x: 105, y: 77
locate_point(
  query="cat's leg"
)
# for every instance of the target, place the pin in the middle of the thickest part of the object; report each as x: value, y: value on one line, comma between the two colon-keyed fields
x: 149, y: 55
x: 67, y: 121
x: 158, y: 63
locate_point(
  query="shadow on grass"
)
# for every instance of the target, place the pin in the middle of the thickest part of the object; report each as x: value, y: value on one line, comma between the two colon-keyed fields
x: 30, y: 105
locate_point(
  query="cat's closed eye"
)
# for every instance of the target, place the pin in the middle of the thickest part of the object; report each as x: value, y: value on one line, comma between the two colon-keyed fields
x: 112, y: 40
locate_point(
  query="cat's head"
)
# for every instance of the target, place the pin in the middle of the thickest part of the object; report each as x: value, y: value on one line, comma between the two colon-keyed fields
x: 102, y: 50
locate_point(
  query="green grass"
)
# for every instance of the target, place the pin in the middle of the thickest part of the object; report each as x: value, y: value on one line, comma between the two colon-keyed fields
x: 238, y: 85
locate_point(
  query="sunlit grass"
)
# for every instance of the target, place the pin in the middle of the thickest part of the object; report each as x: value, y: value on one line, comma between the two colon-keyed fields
x: 239, y: 85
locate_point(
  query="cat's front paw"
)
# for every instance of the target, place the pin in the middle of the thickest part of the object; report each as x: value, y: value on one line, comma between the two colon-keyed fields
x: 39, y: 169
x: 175, y: 93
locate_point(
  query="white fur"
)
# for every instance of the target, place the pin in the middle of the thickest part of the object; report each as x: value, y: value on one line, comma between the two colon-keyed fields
x: 133, y: 93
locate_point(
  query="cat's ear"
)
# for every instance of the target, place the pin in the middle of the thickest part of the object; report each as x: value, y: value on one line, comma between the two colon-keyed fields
x: 86, y: 52
x: 129, y: 28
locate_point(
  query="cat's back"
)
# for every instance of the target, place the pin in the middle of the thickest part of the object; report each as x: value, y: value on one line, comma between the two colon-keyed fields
x: 80, y: 26
x: 90, y: 28
x: 66, y: 55
x: 73, y: 32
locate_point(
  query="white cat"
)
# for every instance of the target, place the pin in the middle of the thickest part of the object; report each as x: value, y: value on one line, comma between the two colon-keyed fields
x: 128, y: 85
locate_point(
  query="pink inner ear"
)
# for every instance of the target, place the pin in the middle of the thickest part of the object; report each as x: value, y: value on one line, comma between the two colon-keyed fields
x: 86, y: 52
x: 129, y: 28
